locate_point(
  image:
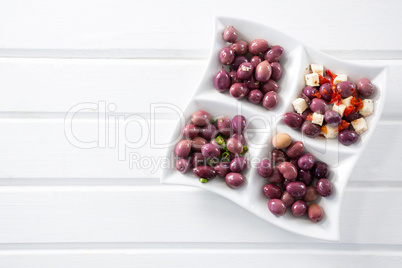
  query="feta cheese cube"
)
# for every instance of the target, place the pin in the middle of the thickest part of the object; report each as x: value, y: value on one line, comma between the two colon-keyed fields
x: 312, y: 79
x: 368, y: 107
x: 329, y: 132
x: 347, y: 101
x: 299, y: 105
x: 317, y: 68
x: 359, y: 125
x: 339, y: 78
x: 339, y: 108
x: 318, y: 119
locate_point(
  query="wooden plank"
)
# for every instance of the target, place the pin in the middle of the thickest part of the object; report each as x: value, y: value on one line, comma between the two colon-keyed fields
x: 155, y: 214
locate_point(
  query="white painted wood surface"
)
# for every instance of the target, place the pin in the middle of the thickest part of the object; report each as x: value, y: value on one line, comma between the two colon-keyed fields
x: 62, y: 206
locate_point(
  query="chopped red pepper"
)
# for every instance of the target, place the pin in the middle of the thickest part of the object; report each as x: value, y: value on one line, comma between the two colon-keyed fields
x: 329, y: 73
x: 317, y: 94
x: 309, y: 117
x: 349, y: 110
x: 357, y: 103
x: 324, y: 129
x: 322, y: 79
x: 343, y: 125
x: 336, y: 98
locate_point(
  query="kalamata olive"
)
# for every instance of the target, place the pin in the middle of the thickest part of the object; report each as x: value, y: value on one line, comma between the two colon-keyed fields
x: 296, y: 188
x: 238, y: 60
x: 309, y: 91
x: 295, y: 149
x: 234, y: 146
x: 213, y: 142
x: 238, y: 90
x: 318, y: 105
x: 197, y: 159
x: 204, y: 172
x: 287, y: 199
x: 288, y: 171
x: 315, y: 213
x: 255, y: 60
x: 238, y: 164
x: 276, y: 176
x: 197, y: 143
x: 305, y: 98
x: 276, y: 71
x: 233, y: 78
x: 281, y: 140
x: 210, y: 151
x: 311, y: 194
x: 333, y: 118
x: 264, y: 168
x: 239, y: 123
x: 310, y: 130
x: 324, y: 187
x: 224, y: 125
x: 230, y: 34
x: 263, y: 72
x: 277, y: 207
x: 255, y: 96
x: 299, y: 208
x: 239, y: 137
x: 365, y: 87
x: 270, y: 85
x: 190, y: 131
x: 200, y: 118
x: 222, y: 169
x: 183, y: 148
x: 258, y: 46
x: 239, y: 47
x: 306, y: 161
x: 222, y: 81
x: 270, y: 100
x: 278, y: 156
x: 326, y: 91
x: 274, y: 54
x: 251, y: 83
x: 183, y: 165
x: 293, y: 120
x: 293, y: 161
x: 352, y: 116
x: 234, y: 180
x: 306, y: 113
x: 209, y: 131
x: 346, y: 88
x: 348, y: 137
x: 226, y: 56
x: 245, y: 70
x: 305, y: 176
x: 272, y: 191
x: 321, y: 170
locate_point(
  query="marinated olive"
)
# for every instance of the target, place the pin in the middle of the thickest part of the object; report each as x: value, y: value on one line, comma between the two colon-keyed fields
x: 255, y: 96
x: 348, y: 137
x: 278, y: 156
x: 277, y: 207
x: 288, y: 171
x: 197, y: 143
x: 365, y: 87
x: 209, y: 131
x: 333, y: 118
x: 222, y: 169
x: 234, y: 180
x: 276, y: 176
x: 268, y: 86
x: 210, y: 151
x: 295, y: 149
x: 276, y: 71
x: 245, y: 70
x: 258, y: 46
x: 293, y: 120
x: 318, y: 105
x: 274, y: 54
x: 200, y: 118
x: 239, y: 124
x: 299, y: 208
x: 230, y: 34
x: 222, y: 81
x: 346, y: 88
x: 311, y: 194
x: 190, y: 131
x: 270, y: 100
x: 238, y: 60
x: 238, y: 90
x: 324, y: 187
x: 321, y: 170
x: 224, y: 125
x: 263, y: 72
x: 287, y: 199
x: 197, y: 159
x: 251, y: 83
x: 305, y: 176
x: 296, y: 188
x: 310, y: 130
x: 306, y: 161
x: 226, y: 56
x: 264, y: 168
x: 183, y: 165
x: 255, y: 60
x: 239, y: 47
x: 238, y: 164
x: 315, y: 213
x: 204, y: 172
x: 183, y: 148
x: 310, y: 92
x: 272, y: 191
x: 234, y: 146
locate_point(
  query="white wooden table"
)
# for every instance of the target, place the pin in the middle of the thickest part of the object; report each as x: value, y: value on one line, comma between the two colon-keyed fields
x: 65, y: 206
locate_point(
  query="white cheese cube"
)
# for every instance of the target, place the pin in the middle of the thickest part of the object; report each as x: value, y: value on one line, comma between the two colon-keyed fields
x: 318, y: 119
x: 368, y: 107
x: 339, y: 78
x: 331, y: 132
x: 312, y: 80
x: 359, y: 125
x: 317, y: 68
x: 299, y: 105
x: 339, y: 108
x: 347, y: 101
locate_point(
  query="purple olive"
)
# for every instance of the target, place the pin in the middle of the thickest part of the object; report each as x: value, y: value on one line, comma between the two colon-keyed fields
x: 272, y: 191
x: 233, y: 78
x: 255, y: 60
x: 276, y: 71
x: 224, y: 125
x: 268, y: 86
x: 365, y: 87
x: 270, y: 100
x: 238, y: 60
x: 311, y: 194
x: 265, y: 168
x: 276, y: 176
x: 234, y: 146
x: 352, y: 116
x: 315, y: 213
x: 226, y: 56
x: 296, y: 188
x: 230, y: 34
x: 239, y: 123
x: 200, y: 118
x: 209, y: 131
x: 295, y: 149
x: 183, y: 148
x: 263, y: 72
x: 333, y: 118
x: 324, y: 187
x: 299, y: 208
x: 190, y: 131
x: 258, y: 46
x: 197, y: 143
x: 238, y: 164
x: 293, y: 120
x: 239, y: 137
x: 255, y: 96
x: 183, y: 165
x: 348, y: 137
x: 346, y: 88
x: 239, y: 47
x: 222, y: 81
x: 305, y: 176
x: 309, y: 91
x: 321, y: 170
x: 222, y: 169
x: 197, y: 159
x: 245, y: 70
x: 326, y: 91
x: 251, y: 83
x: 310, y: 130
x: 306, y: 161
x: 204, y: 172
x: 288, y: 171
x: 318, y: 105
x: 238, y: 90
x: 277, y: 207
x: 287, y: 199
x: 210, y: 151
x: 278, y: 156
x: 234, y: 180
x: 306, y: 113
x: 305, y: 98
x: 274, y: 54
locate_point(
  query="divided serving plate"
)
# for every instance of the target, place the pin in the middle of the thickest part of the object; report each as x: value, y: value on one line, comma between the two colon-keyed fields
x: 264, y: 124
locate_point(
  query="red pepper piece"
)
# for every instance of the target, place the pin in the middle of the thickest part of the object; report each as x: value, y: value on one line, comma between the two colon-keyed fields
x: 322, y: 79
x: 317, y: 94
x: 344, y: 124
x: 349, y: 110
